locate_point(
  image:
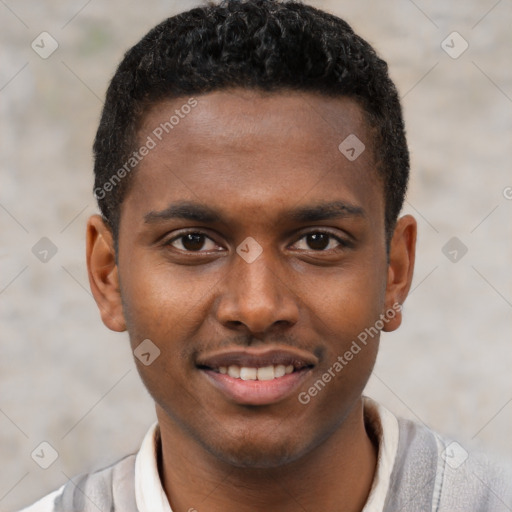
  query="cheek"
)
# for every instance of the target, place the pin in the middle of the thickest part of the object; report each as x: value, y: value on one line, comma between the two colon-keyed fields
x: 165, y: 307
x: 346, y: 310
x: 348, y: 300
x: 158, y: 297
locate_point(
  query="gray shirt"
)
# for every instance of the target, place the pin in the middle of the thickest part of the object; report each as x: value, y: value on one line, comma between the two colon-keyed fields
x: 417, y: 471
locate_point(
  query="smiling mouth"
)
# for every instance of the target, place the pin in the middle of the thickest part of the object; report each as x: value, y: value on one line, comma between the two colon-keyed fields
x: 257, y: 377
x: 261, y: 373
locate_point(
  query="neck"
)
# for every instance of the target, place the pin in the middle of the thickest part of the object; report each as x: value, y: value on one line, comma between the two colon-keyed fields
x: 337, y: 475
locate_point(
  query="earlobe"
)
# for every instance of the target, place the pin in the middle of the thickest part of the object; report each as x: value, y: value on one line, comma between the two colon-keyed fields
x: 103, y: 273
x: 400, y: 269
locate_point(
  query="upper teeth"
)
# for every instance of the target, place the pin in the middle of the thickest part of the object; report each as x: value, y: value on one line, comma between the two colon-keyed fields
x: 263, y: 373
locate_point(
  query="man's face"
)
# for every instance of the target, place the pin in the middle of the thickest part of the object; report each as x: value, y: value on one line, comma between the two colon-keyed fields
x: 248, y: 239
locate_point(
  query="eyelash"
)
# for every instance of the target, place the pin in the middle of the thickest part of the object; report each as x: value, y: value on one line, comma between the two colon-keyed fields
x: 343, y: 244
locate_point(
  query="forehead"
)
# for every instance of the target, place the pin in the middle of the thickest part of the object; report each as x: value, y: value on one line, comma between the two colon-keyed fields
x: 246, y: 148
x: 256, y: 121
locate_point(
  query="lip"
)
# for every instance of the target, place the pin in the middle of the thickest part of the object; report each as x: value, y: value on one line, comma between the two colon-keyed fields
x: 256, y: 358
x: 255, y: 392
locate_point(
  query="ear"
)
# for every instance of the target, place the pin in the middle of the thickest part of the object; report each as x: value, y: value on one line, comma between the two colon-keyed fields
x: 103, y: 273
x: 402, y: 253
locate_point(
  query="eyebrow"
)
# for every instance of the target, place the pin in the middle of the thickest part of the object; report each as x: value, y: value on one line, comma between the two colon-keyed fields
x: 193, y: 211
x: 187, y: 210
x: 326, y: 211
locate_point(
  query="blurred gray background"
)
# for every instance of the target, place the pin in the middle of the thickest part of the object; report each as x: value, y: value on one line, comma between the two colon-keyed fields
x: 67, y: 380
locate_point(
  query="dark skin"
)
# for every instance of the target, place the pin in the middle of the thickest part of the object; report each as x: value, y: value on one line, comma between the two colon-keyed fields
x: 256, y: 159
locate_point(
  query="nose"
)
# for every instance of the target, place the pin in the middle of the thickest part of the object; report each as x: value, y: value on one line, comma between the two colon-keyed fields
x: 257, y: 297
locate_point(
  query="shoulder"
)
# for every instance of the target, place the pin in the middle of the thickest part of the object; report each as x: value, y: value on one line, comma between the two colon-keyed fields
x: 110, y: 488
x: 443, y: 475
x: 470, y: 478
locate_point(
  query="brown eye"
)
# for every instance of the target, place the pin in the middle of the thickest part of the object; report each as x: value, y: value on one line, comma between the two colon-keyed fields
x: 320, y: 241
x: 317, y: 241
x: 193, y: 242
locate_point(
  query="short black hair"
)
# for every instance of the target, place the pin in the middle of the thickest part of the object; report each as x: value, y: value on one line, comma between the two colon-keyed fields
x: 266, y: 45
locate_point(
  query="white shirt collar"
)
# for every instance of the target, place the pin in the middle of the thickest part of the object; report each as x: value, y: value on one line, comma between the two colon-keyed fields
x: 149, y: 493
x: 150, y: 496
x: 385, y: 425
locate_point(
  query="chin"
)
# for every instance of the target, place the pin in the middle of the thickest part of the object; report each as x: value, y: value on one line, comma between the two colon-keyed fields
x: 257, y: 459
x: 251, y: 453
